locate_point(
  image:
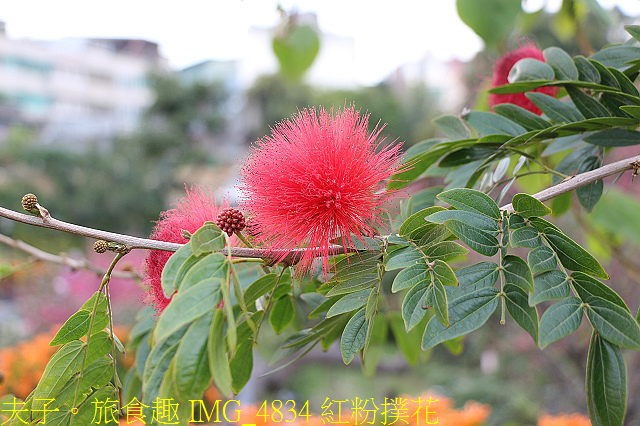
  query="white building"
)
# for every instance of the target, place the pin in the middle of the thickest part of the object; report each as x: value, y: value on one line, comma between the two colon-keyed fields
x: 74, y: 90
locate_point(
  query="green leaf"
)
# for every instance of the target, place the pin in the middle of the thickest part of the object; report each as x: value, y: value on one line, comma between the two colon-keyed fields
x: 464, y: 156
x: 60, y: 368
x: 99, y: 345
x: 516, y: 221
x: 175, y: 268
x: 211, y: 266
x: 241, y: 365
x: 349, y: 303
x: 572, y: 256
x: 517, y: 272
x: 589, y: 195
x: 561, y: 204
x: 541, y: 259
x: 444, y: 273
x: 518, y: 305
x: 523, y: 117
x: 296, y: 49
x: 492, y: 20
x: 207, y: 239
x: 441, y: 304
x: 586, y: 71
x: 560, y: 319
x: 434, y: 235
x: 466, y: 314
x: 259, y: 288
x: 452, y: 126
x: 606, y: 383
x: 588, y: 106
x: 353, y: 336
x: 192, y: 376
x: 560, y: 61
x: 625, y: 84
x: 616, y: 56
x: 157, y: 363
x: 282, y: 314
x: 606, y: 78
x: 411, y: 276
x: 356, y: 284
x: 633, y: 30
x: 490, y: 124
x: 613, y: 323
x: 550, y: 285
x: 354, y: 271
x: 585, y: 287
x: 188, y: 305
x: 87, y: 411
x: 408, y: 342
x: 614, y: 137
x: 97, y: 374
x: 475, y: 277
x: 526, y: 237
x: 77, y: 326
x: 218, y: 362
x: 472, y: 201
x: 529, y: 69
x: 445, y: 250
x: 481, y: 242
x: 562, y: 144
x: 416, y: 220
x: 633, y: 110
x: 418, y: 164
x: 413, y: 304
x: 403, y: 257
x: 102, y: 302
x: 556, y: 110
x: 475, y: 220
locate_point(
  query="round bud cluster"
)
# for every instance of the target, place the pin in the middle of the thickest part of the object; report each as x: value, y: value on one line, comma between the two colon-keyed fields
x: 29, y: 202
x: 100, y: 246
x: 231, y: 220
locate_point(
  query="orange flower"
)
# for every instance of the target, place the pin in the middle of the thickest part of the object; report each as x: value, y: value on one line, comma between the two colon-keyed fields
x: 24, y: 363
x: 564, y: 420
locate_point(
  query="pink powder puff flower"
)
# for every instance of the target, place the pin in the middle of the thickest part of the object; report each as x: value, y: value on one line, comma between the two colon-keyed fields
x: 317, y: 177
x: 191, y: 212
x: 501, y: 71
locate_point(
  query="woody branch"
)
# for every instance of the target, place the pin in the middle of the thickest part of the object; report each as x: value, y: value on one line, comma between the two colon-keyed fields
x: 130, y: 242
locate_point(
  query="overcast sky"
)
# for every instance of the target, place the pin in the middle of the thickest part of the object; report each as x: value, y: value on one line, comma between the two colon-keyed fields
x: 190, y: 31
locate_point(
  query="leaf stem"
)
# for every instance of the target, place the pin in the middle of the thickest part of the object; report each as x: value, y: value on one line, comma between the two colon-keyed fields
x: 103, y: 284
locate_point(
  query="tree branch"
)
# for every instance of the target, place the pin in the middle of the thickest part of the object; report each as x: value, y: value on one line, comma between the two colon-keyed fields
x: 65, y: 260
x: 289, y: 256
x: 583, y: 179
x: 292, y: 256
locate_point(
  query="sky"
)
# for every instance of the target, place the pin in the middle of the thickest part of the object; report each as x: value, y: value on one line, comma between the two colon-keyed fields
x: 387, y: 34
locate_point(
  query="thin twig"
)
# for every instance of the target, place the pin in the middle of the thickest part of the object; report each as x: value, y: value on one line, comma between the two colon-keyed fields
x: 63, y: 259
x: 583, y: 179
x: 289, y: 256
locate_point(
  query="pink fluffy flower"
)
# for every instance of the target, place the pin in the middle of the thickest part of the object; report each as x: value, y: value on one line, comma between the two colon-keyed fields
x: 501, y: 71
x: 316, y: 177
x: 191, y: 212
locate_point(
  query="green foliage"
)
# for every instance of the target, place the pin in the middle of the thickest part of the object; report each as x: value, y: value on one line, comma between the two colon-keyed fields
x: 544, y: 279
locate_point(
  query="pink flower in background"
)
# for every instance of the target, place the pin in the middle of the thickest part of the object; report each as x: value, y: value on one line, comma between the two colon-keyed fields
x: 318, y: 176
x: 501, y: 71
x: 191, y: 212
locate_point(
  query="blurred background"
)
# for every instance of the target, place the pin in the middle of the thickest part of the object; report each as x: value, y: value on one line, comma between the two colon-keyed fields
x: 107, y: 112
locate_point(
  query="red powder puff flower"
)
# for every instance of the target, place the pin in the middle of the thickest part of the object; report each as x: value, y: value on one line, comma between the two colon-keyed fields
x: 501, y: 71
x: 189, y: 214
x: 317, y: 177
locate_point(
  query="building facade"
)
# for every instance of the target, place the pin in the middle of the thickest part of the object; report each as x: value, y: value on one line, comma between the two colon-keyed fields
x: 75, y: 90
